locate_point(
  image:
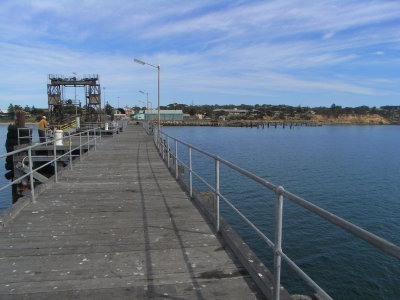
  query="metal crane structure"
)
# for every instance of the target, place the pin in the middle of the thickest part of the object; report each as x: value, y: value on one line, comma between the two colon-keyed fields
x: 61, y: 110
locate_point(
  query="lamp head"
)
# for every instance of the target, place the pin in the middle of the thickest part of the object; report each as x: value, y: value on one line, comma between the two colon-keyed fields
x: 139, y: 61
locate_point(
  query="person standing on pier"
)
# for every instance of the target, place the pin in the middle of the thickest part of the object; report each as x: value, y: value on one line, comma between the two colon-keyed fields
x: 42, y: 129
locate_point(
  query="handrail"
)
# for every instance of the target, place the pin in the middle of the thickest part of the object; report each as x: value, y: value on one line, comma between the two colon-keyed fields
x: 87, y: 141
x: 19, y: 136
x: 163, y: 146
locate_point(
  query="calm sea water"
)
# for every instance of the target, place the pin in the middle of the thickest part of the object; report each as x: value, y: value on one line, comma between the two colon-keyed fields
x: 352, y: 171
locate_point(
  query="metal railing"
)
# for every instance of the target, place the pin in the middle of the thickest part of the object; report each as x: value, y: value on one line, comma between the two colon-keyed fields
x: 163, y: 141
x: 22, y: 136
x: 112, y: 126
x: 87, y: 138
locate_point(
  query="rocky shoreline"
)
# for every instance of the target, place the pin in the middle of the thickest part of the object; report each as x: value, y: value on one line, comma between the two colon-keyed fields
x: 316, y: 120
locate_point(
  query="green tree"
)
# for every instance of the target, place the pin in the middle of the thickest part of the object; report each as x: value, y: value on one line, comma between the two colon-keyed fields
x: 11, y: 109
x: 108, y: 109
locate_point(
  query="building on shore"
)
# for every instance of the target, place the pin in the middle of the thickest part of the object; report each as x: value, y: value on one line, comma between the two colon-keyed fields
x: 152, y: 115
x: 231, y: 112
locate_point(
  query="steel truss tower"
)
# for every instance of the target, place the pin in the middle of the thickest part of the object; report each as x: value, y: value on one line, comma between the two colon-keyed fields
x: 91, y: 111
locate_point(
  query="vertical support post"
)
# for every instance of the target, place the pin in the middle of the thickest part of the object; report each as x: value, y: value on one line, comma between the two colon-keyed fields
x: 95, y: 138
x: 278, y: 242
x: 88, y: 142
x: 163, y: 149
x: 55, y: 160
x: 217, y: 190
x: 158, y: 100
x: 176, y: 160
x: 159, y: 141
x: 168, y: 153
x: 70, y: 152
x: 80, y: 145
x: 31, y: 175
x: 190, y: 173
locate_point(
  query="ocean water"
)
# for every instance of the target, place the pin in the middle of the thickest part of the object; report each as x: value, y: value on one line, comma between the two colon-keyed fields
x: 351, y: 171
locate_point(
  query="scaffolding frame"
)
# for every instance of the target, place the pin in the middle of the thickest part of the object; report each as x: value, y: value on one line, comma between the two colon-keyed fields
x: 91, y: 111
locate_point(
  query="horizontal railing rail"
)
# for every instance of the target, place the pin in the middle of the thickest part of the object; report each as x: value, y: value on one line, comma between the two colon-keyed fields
x: 110, y: 125
x: 86, y: 138
x: 163, y: 140
x: 22, y: 136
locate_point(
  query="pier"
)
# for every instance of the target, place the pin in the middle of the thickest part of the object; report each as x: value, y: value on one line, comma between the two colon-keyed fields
x: 118, y: 226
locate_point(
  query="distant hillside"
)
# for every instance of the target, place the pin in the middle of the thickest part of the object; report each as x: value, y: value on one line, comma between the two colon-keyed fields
x: 371, y: 119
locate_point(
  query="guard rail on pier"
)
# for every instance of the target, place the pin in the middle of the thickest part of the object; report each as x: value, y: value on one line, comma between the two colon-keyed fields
x: 83, y: 140
x: 169, y: 147
x: 118, y: 226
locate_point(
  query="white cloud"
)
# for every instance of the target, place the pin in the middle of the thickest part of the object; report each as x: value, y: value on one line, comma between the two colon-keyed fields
x: 252, y: 48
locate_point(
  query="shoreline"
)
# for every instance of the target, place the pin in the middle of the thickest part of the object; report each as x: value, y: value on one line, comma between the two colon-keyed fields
x: 268, y: 123
x: 249, y: 123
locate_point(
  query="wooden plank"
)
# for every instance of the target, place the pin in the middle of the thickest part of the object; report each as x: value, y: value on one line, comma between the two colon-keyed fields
x: 117, y: 226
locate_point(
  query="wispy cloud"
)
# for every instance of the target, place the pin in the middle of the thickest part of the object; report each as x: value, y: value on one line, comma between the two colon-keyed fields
x: 258, y: 49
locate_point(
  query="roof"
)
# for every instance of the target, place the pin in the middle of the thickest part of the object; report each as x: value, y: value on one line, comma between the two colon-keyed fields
x: 164, y: 112
x: 231, y: 110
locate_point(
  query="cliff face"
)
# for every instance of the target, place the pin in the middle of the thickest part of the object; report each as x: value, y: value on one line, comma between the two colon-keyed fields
x: 371, y: 119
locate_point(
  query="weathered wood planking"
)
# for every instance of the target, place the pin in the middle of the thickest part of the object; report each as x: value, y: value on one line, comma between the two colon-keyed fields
x: 117, y: 226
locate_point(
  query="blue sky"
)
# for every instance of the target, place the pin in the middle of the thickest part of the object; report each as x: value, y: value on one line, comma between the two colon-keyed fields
x: 309, y: 53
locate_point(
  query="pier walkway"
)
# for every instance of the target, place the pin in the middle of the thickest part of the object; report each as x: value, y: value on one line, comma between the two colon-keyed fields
x: 117, y: 226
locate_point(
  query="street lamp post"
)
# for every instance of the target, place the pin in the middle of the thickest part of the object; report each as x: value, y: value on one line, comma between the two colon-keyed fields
x: 76, y: 107
x: 141, y: 102
x: 158, y: 81
x: 147, y: 98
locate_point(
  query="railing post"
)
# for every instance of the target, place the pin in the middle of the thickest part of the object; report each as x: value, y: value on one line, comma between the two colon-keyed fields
x: 190, y: 173
x: 176, y: 160
x: 80, y: 145
x: 95, y: 139
x: 159, y: 142
x: 31, y: 175
x: 217, y: 190
x: 55, y: 159
x: 163, y: 149
x: 278, y: 242
x: 88, y: 142
x: 168, y: 154
x: 70, y: 151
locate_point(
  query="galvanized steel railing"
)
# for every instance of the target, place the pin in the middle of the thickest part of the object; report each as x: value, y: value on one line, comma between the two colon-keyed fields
x: 163, y: 140
x: 88, y: 137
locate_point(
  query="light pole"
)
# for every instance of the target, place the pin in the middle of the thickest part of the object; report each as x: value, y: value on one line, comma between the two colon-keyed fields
x: 141, y: 102
x: 158, y: 76
x: 147, y: 98
x: 76, y: 107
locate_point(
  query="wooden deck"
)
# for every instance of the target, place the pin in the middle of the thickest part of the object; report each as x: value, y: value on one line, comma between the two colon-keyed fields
x: 117, y: 226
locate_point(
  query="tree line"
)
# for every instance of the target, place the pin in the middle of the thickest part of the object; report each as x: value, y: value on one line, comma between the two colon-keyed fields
x: 31, y: 110
x: 262, y: 110
x: 254, y: 111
